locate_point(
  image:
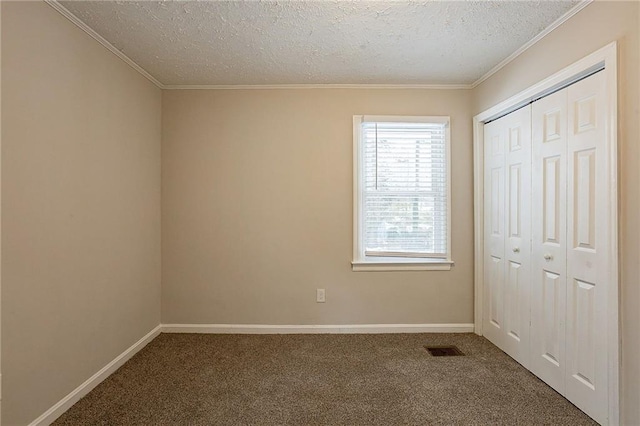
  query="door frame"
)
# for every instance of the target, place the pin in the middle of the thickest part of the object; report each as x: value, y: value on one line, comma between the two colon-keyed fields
x: 604, y: 59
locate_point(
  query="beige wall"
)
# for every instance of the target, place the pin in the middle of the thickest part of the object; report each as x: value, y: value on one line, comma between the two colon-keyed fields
x: 596, y: 26
x: 256, y: 202
x: 80, y: 211
x: 257, y: 210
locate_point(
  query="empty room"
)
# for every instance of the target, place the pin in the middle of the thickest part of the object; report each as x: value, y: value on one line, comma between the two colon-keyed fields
x: 319, y: 212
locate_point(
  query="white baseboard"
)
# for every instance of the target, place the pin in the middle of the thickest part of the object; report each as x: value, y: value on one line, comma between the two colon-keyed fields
x: 316, y: 329
x: 65, y: 403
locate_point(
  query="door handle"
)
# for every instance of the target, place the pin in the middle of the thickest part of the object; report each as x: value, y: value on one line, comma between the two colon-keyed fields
x: 516, y: 249
x: 548, y: 257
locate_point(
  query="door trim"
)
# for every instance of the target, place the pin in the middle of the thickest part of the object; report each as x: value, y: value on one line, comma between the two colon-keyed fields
x: 606, y: 59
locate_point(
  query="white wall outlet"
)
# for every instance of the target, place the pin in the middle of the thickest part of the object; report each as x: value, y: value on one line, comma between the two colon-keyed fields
x: 320, y: 295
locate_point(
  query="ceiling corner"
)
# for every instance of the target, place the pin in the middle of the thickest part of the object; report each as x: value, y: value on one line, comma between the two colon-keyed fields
x: 84, y: 27
x: 561, y: 20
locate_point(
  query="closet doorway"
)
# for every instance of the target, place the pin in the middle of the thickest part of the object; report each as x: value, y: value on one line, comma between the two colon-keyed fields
x: 546, y: 232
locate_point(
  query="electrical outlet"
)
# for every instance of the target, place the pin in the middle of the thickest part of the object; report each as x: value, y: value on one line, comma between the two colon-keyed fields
x: 320, y: 295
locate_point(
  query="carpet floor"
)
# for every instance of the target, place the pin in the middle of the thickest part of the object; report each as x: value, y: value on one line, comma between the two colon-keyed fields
x: 366, y: 379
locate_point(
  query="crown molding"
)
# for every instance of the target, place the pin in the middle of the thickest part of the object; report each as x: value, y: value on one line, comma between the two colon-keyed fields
x: 314, y: 86
x: 561, y: 20
x: 84, y: 27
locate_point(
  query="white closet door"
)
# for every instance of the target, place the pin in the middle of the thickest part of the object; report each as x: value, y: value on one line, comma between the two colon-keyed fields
x: 516, y: 131
x: 548, y: 260
x: 507, y: 214
x: 587, y: 254
x: 494, y: 221
x: 518, y: 232
x: 546, y: 241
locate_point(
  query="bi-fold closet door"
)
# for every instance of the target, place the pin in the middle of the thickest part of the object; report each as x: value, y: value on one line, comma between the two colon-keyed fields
x: 545, y: 298
x: 507, y: 227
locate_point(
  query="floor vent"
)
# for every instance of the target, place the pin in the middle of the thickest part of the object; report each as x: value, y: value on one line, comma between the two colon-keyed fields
x: 444, y: 350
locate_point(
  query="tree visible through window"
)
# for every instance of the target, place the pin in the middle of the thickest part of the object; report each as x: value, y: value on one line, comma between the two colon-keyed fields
x: 403, y: 182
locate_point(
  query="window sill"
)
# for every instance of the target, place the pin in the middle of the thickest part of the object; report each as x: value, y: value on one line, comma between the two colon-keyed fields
x: 400, y: 264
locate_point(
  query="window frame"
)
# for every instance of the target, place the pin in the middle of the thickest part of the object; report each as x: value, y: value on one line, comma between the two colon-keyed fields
x: 360, y: 261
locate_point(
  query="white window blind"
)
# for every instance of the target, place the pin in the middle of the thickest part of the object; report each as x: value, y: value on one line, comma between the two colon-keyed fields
x: 404, y: 189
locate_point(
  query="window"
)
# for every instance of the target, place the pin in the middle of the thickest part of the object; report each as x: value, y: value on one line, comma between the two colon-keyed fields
x: 401, y: 193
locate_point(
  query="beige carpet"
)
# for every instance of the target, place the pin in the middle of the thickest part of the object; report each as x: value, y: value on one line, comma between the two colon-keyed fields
x: 389, y: 379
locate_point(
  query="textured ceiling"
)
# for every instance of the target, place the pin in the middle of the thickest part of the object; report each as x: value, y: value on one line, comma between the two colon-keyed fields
x: 317, y: 42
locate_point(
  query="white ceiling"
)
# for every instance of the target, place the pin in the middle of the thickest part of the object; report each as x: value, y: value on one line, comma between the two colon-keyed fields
x: 317, y: 42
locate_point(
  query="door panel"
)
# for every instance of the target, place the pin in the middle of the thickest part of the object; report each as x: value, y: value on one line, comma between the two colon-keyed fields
x: 587, y: 261
x: 515, y: 200
x: 548, y: 249
x: 514, y: 328
x: 508, y: 243
x: 496, y: 201
x: 584, y: 193
x: 552, y: 291
x: 494, y: 240
x: 495, y: 308
x: 582, y: 297
x: 551, y: 203
x: 518, y: 239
